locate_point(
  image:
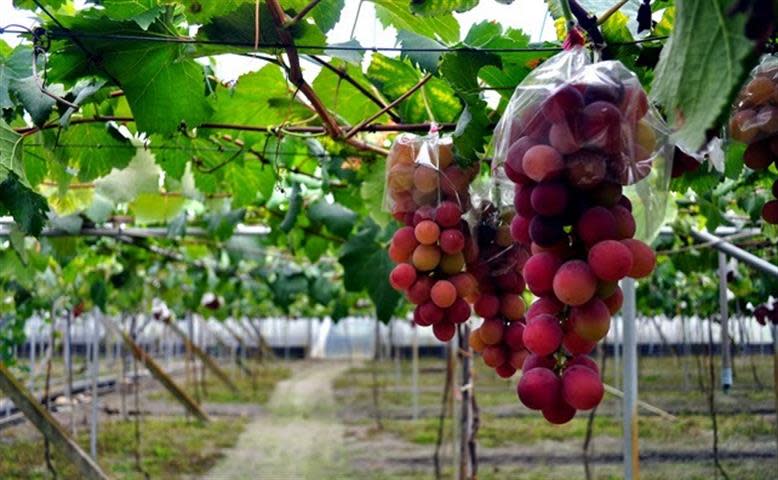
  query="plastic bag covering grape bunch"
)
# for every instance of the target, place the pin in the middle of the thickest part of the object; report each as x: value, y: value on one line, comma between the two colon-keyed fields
x: 755, y: 113
x: 599, y: 132
x: 421, y: 173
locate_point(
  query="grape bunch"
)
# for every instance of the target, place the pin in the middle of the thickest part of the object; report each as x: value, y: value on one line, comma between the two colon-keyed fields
x: 755, y: 122
x: 569, y: 157
x: 764, y: 313
x: 429, y: 192
x: 497, y: 271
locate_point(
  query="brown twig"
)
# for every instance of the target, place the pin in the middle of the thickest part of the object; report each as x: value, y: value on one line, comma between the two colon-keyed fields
x: 296, y: 73
x: 343, y: 75
x: 358, y: 127
x: 303, y: 12
x: 443, y: 409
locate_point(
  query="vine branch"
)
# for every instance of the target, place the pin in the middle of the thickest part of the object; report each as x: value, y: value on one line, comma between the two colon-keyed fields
x: 303, y: 12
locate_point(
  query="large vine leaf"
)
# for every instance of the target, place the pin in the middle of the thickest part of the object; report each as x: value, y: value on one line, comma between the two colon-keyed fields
x: 258, y: 98
x: 10, y: 152
x: 700, y: 67
x: 94, y: 149
x: 140, y: 176
x: 366, y: 266
x: 393, y: 13
x: 27, y: 207
x: 434, y: 101
x: 440, y: 7
x: 342, y: 97
x: 326, y: 13
x: 163, y: 87
x: 337, y: 218
x: 14, y: 67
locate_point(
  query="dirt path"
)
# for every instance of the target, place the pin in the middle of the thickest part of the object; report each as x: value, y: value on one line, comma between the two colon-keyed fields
x: 298, y: 438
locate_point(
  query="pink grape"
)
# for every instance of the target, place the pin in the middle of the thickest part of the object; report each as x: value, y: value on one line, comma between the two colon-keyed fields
x: 512, y: 336
x: 452, y: 241
x: 567, y: 101
x: 542, y: 335
x: 610, y: 260
x: 538, y: 361
x: 582, y: 387
x: 559, y: 412
x: 402, y: 276
x: 625, y: 222
x: 494, y: 355
x: 573, y: 343
x: 539, y: 272
x: 443, y: 293
x: 591, y: 321
x: 584, y: 361
x: 444, y: 331
x: 458, y: 312
x: 549, y: 305
x: 520, y: 229
x: 562, y: 138
x: 549, y: 198
x: 487, y: 305
x: 514, y: 157
x: 492, y: 331
x: 448, y: 214
x: 539, y: 388
x: 585, y: 169
x: 430, y: 313
x: 574, y: 283
x: 643, y: 258
x: 542, y: 162
x: 595, y: 225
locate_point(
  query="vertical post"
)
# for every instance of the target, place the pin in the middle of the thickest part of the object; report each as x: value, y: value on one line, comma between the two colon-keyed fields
x: 33, y: 345
x: 68, y: 361
x: 466, y: 421
x: 415, y: 371
x: 95, y: 370
x: 775, y: 378
x: 617, y: 349
x: 630, y: 383
x: 726, y: 357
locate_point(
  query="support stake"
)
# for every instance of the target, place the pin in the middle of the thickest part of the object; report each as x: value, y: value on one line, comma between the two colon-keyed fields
x: 630, y: 382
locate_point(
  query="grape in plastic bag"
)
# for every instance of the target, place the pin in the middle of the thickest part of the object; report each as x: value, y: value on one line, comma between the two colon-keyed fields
x: 754, y: 121
x: 590, y: 127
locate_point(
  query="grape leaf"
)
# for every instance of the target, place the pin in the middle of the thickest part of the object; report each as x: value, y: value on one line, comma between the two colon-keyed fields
x: 392, y: 13
x: 156, y: 208
x: 693, y: 87
x: 348, y: 51
x: 95, y: 149
x: 427, y: 61
x: 395, y: 77
x: 28, y: 209
x: 10, y: 152
x: 258, y: 98
x: 37, y: 104
x: 326, y: 13
x: 246, y: 179
x: 140, y: 176
x: 14, y: 67
x: 337, y: 218
x: 201, y: 11
x: 366, y: 267
x: 162, y: 86
x: 343, y: 98
x: 439, y: 7
x: 142, y: 12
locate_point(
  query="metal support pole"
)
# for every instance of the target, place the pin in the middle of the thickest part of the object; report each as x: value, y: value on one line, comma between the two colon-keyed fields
x: 630, y: 381
x: 726, y: 357
x: 415, y: 371
x: 95, y: 371
x: 68, y: 361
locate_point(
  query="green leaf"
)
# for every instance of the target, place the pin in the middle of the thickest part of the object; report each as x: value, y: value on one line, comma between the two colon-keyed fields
x: 238, y: 27
x: 393, y: 13
x: 248, y: 178
x: 10, y: 152
x: 439, y: 7
x: 315, y: 247
x: 98, y: 292
x: 201, y: 11
x: 37, y: 104
x: 222, y: 225
x: 156, y: 208
x: 615, y: 29
x: 142, y: 12
x: 28, y: 209
x: 258, y: 98
x: 343, y: 98
x: 287, y: 286
x: 366, y: 267
x: 337, y: 218
x: 13, y: 68
x: 96, y: 149
x: 596, y: 7
x: 140, y: 176
x: 349, y: 51
x: 322, y: 290
x: 162, y: 86
x: 434, y: 101
x: 695, y: 88
x: 326, y: 13
x: 427, y: 61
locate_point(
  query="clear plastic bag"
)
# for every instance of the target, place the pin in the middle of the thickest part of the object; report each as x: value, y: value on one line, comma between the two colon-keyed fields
x: 589, y: 125
x: 755, y: 112
x: 421, y: 172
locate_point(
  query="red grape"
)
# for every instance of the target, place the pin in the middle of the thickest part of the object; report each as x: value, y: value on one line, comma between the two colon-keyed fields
x: 582, y: 387
x: 542, y: 335
x: 402, y: 276
x: 643, y: 258
x: 549, y: 198
x: 597, y: 224
x: 539, y: 272
x: 452, y: 241
x: 574, y: 283
x: 542, y: 162
x: 444, y: 331
x: 443, y: 293
x: 591, y: 320
x: 539, y: 388
x: 610, y: 260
